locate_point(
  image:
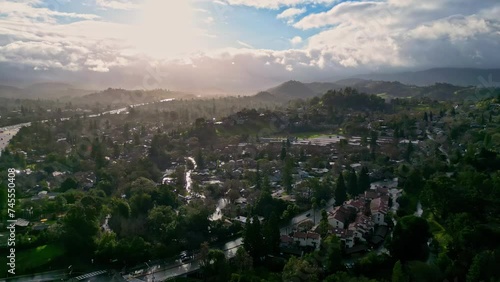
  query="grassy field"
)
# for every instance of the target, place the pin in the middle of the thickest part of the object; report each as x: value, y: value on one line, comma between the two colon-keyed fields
x: 38, y: 257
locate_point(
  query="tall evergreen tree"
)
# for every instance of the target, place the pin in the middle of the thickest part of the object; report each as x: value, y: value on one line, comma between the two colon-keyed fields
x: 409, y: 151
x: 283, y: 151
x: 364, y: 180
x: 323, y: 224
x: 352, y: 183
x: 287, y: 178
x: 252, y: 238
x: 340, y: 191
x: 271, y: 233
x: 258, y: 182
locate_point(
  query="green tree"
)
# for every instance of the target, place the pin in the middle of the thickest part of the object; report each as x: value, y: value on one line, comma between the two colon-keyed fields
x: 340, y: 191
x: 398, y: 274
x: 283, y: 152
x: 324, y: 226
x: 364, y: 180
x: 287, y: 178
x: 298, y: 270
x: 352, y: 183
x: 68, y: 184
x: 409, y: 151
x: 106, y: 246
x: 162, y: 223
x: 80, y: 229
x: 215, y: 266
x: 243, y: 261
x: 253, y: 239
x: 333, y: 262
x: 271, y: 233
x: 409, y: 239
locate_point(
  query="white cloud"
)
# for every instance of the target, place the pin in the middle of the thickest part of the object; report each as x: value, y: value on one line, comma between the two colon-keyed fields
x: 117, y: 5
x: 349, y: 38
x: 296, y: 40
x: 209, y: 20
x: 291, y: 13
x: 246, y: 45
x: 276, y: 4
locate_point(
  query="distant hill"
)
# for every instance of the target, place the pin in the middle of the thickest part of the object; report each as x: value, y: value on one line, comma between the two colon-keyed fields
x: 322, y: 87
x: 455, y: 76
x: 113, y: 96
x: 47, y: 90
x: 292, y: 90
x: 9, y: 91
x: 388, y: 89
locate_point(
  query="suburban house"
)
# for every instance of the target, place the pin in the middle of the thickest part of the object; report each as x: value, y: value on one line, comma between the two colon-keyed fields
x: 305, y: 239
x: 379, y: 208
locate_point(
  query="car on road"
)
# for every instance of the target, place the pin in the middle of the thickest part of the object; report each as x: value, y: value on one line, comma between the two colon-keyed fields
x: 308, y: 215
x: 185, y: 256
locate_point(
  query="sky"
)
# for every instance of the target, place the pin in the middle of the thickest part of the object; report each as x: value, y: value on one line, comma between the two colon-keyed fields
x: 238, y: 46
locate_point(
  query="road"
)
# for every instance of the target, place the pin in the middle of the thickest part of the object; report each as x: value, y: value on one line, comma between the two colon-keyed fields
x: 160, y: 273
x: 6, y: 135
x: 304, y: 216
x: 39, y: 277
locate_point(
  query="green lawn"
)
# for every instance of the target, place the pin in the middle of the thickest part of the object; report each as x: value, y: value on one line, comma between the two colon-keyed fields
x: 309, y: 135
x: 37, y: 257
x: 383, y: 95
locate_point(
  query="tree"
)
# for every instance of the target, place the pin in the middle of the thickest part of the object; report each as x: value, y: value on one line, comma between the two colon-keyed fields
x: 300, y: 270
x: 106, y: 246
x: 80, y: 228
x: 333, y: 262
x: 287, y: 178
x: 484, y: 267
x: 252, y: 238
x: 324, y: 226
x: 426, y: 118
x: 271, y: 233
x: 409, y: 151
x: 217, y: 268
x: 364, y: 180
x: 373, y: 142
x: 243, y: 260
x: 162, y: 222
x: 68, y: 184
x: 283, y: 152
x: 352, y: 183
x: 340, y: 191
x: 409, y: 239
x: 398, y: 274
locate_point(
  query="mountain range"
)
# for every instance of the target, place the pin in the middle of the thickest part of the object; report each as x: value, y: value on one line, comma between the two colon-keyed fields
x: 455, y: 76
x: 442, y: 91
x: 438, y: 83
x: 46, y: 90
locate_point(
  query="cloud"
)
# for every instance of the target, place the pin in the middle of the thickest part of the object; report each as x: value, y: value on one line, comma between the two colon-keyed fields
x: 344, y: 39
x: 209, y: 20
x: 244, y: 44
x: 296, y: 40
x: 116, y: 4
x: 276, y: 4
x: 291, y: 13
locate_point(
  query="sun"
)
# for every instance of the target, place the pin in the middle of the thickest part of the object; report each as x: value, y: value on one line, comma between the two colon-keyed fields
x: 166, y: 28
